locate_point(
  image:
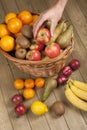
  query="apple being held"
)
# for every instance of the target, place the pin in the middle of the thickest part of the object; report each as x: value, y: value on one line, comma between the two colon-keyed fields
x: 52, y: 50
x: 43, y: 35
x: 33, y: 55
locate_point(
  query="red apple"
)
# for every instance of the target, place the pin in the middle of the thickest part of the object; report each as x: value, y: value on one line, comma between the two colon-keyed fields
x: 62, y: 79
x: 52, y: 50
x: 67, y: 71
x: 43, y: 35
x: 74, y: 64
x: 17, y: 99
x: 37, y: 45
x: 20, y: 109
x: 33, y: 55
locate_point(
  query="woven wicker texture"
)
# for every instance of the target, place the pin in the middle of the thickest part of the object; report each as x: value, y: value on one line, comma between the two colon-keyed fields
x: 42, y: 68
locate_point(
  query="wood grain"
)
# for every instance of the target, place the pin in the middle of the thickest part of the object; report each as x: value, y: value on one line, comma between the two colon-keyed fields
x: 76, y: 13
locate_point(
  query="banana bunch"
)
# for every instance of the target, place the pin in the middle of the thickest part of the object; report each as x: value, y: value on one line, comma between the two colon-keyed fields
x: 76, y: 93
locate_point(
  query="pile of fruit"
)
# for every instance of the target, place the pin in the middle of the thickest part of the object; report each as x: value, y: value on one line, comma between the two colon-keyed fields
x: 37, y: 107
x: 16, y: 37
x: 75, y: 92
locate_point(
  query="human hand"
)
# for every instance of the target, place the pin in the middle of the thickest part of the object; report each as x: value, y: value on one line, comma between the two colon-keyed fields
x: 53, y: 14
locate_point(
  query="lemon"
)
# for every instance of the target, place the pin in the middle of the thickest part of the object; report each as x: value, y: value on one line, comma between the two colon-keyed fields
x: 38, y: 108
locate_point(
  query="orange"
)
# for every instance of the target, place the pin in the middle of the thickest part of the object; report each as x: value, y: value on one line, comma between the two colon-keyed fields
x: 39, y: 82
x: 29, y: 83
x: 3, y: 30
x: 7, y: 43
x: 18, y: 34
x: 14, y: 25
x: 19, y: 83
x: 35, y: 17
x: 28, y: 93
x: 25, y: 16
x: 9, y: 16
x: 0, y: 43
x: 17, y: 46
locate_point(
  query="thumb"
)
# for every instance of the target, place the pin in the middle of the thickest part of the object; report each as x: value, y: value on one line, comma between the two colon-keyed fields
x: 52, y: 28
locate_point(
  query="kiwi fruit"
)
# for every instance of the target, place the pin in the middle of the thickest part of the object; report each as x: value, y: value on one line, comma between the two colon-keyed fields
x: 57, y: 109
x: 20, y: 53
x: 27, y: 31
x: 23, y: 41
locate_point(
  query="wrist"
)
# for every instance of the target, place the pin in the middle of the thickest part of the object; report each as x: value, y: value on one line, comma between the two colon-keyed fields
x: 61, y: 4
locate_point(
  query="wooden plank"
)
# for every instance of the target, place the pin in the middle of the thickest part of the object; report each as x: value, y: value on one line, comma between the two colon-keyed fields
x: 38, y: 5
x: 8, y: 91
x: 83, y: 6
x: 24, y: 5
x: 34, y: 121
x: 47, y: 122
x: 78, y: 19
x: 5, y: 123
x: 2, y: 14
x: 9, y: 6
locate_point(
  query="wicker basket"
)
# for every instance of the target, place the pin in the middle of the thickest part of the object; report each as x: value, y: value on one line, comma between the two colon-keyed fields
x: 42, y: 68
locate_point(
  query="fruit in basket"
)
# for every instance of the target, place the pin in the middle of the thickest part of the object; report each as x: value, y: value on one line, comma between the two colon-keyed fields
x: 74, y: 64
x: 57, y: 108
x: 20, y: 109
x: 35, y: 17
x: 27, y: 31
x: 7, y: 43
x: 75, y: 95
x: 39, y: 82
x: 18, y: 34
x: 28, y: 93
x: 23, y: 41
x: 43, y: 35
x: 58, y: 30
x: 25, y: 16
x: 52, y: 50
x: 19, y: 83
x: 50, y: 85
x: 65, y: 38
x: 9, y: 16
x: 65, y: 27
x: 29, y: 83
x: 33, y: 55
x: 20, y: 53
x: 37, y: 45
x: 38, y: 108
x: 3, y: 30
x: 67, y: 71
x: 17, y: 46
x: 14, y: 25
x: 17, y: 99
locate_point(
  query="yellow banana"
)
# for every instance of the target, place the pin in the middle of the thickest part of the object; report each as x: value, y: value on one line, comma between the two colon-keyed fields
x: 74, y: 100
x: 78, y: 92
x: 79, y: 84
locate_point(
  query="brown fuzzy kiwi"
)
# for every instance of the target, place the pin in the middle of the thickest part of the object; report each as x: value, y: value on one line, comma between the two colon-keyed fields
x: 27, y: 31
x: 20, y: 53
x: 57, y: 108
x: 23, y: 41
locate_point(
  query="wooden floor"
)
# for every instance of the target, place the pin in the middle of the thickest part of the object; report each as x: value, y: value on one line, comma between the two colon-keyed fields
x: 76, y: 13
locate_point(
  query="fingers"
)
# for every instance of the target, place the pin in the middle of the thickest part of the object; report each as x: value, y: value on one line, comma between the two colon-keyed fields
x: 37, y: 25
x: 53, y: 26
